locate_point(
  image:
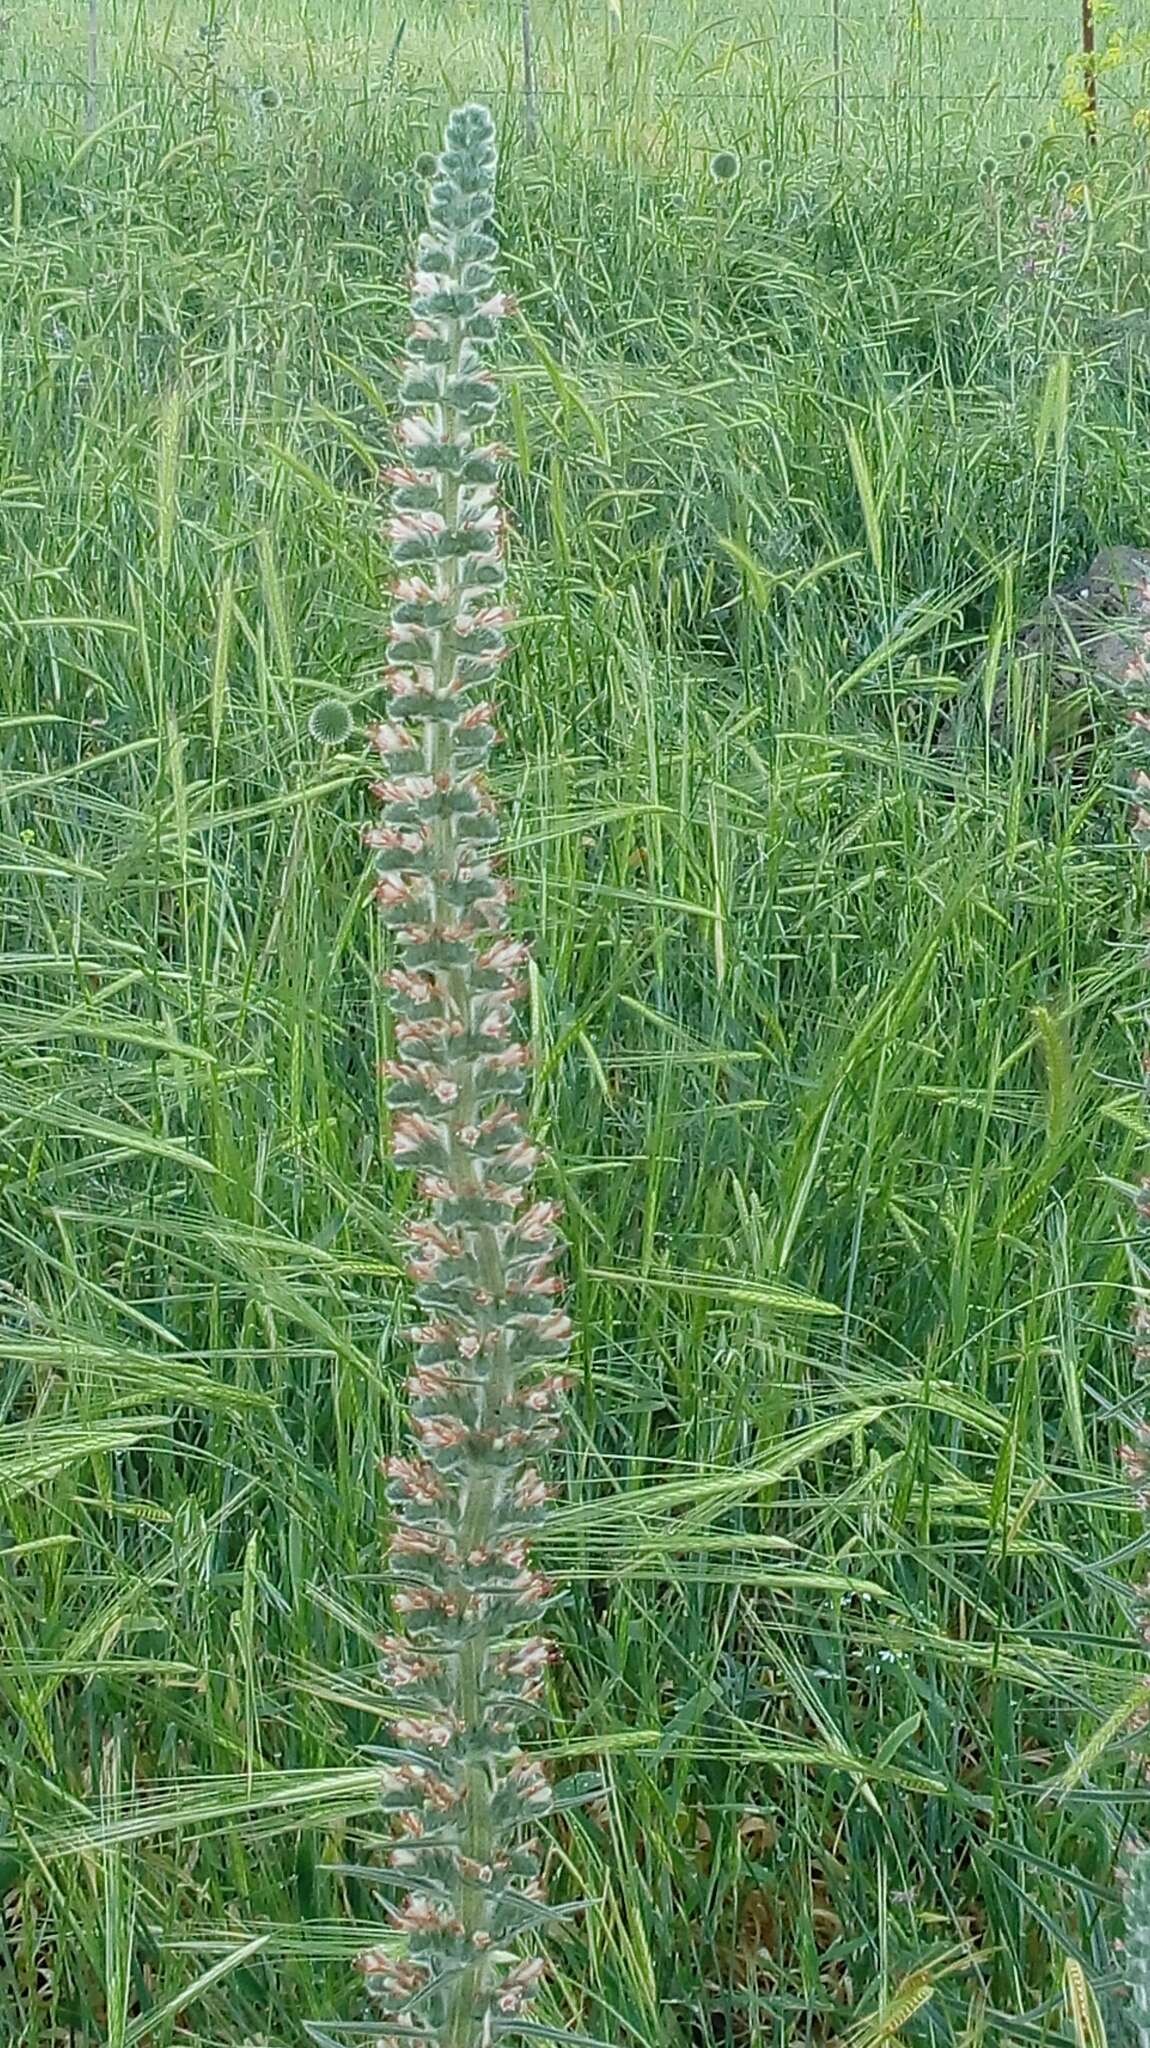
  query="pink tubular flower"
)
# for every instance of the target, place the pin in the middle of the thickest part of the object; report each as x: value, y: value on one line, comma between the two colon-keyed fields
x: 423, y: 1600
x: 410, y: 1133
x: 424, y: 1031
x: 430, y: 1383
x: 554, y: 1328
x: 416, y: 526
x: 494, y: 616
x: 503, y: 956
x: 530, y: 1492
x: 530, y: 1781
x: 537, y: 1280
x: 439, y: 1432
x: 433, y: 1082
x: 543, y: 1397
x: 478, y: 715
x: 423, y: 1915
x: 509, y: 1057
x: 389, y: 839
x: 415, y: 430
x: 537, y: 1222
x: 402, y: 478
x: 528, y: 1659
x: 401, y: 1668
x: 520, y: 1984
x: 415, y: 988
x: 388, y: 737
x: 420, y: 1482
x: 405, y: 789
x: 390, y: 892
x: 402, y: 684
x: 488, y: 519
x: 423, y: 1268
x: 409, y: 1540
x: 431, y: 1333
x: 402, y: 1974
x: 426, y: 1230
x: 429, y: 1734
x: 521, y: 1158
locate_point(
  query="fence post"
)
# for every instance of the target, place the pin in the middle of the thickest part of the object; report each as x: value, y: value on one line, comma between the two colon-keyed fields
x: 92, y: 100
x: 1089, y: 71
x: 837, y: 69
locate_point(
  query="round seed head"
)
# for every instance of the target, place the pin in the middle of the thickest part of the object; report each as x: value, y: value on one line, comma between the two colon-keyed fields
x: 267, y: 99
x: 331, y: 722
x: 988, y: 170
x: 724, y: 166
x: 1027, y: 141
x: 425, y: 165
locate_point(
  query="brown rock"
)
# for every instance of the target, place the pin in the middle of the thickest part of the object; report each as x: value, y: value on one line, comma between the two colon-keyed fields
x: 1088, y: 645
x: 1091, y: 639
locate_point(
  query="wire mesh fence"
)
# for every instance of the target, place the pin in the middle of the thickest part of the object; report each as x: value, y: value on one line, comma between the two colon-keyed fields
x: 829, y: 63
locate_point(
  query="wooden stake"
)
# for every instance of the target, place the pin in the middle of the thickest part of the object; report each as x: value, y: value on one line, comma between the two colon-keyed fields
x: 1089, y: 71
x: 837, y: 68
x: 92, y: 102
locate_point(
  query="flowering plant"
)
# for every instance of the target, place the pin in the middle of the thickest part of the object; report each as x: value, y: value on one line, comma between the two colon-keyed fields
x: 466, y: 1666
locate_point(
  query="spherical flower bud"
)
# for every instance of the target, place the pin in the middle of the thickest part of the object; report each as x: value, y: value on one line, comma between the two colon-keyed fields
x: 330, y: 722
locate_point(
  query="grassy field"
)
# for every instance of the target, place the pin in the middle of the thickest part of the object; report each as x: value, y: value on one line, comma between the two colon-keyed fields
x: 837, y: 1026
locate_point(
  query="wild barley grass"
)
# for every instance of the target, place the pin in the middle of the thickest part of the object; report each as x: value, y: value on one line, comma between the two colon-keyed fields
x: 826, y: 1024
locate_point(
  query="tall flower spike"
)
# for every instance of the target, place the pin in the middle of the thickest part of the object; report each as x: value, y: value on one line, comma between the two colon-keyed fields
x: 467, y: 1669
x: 1135, y: 1455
